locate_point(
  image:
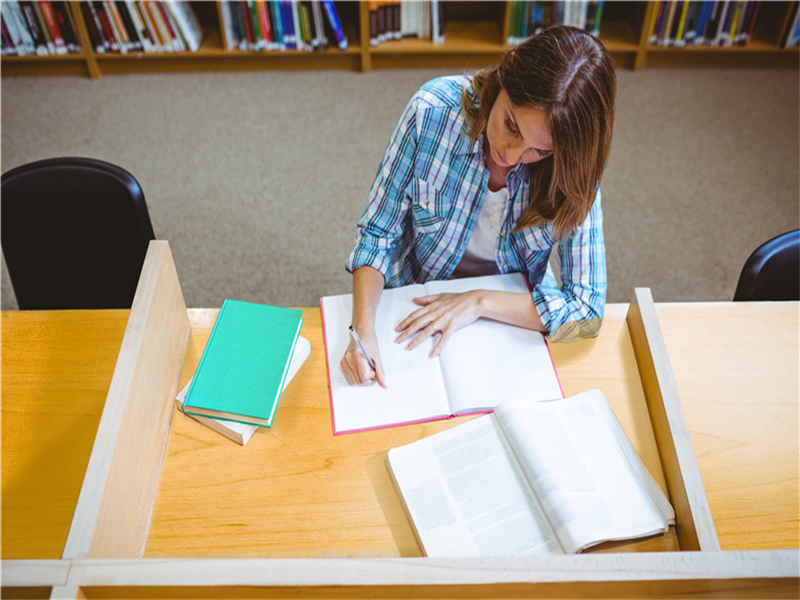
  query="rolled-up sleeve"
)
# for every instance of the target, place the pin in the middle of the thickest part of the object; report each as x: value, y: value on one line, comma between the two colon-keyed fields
x: 575, y: 309
x: 381, y: 225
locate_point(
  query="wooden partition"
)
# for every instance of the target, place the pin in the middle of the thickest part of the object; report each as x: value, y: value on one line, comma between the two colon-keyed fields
x: 102, y: 557
x: 695, y: 527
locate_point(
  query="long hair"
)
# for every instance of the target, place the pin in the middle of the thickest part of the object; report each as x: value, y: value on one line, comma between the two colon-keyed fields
x: 566, y: 72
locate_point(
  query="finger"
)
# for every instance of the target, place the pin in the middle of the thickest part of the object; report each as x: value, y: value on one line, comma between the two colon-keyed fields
x: 426, y: 332
x: 380, y: 376
x: 417, y: 327
x: 410, y: 319
x: 439, y: 346
x: 425, y: 300
x: 366, y: 375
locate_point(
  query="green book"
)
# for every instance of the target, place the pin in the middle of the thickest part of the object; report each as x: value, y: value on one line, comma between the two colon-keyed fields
x: 245, y: 363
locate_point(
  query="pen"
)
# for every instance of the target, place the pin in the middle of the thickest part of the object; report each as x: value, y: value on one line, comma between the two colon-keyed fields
x: 361, y: 346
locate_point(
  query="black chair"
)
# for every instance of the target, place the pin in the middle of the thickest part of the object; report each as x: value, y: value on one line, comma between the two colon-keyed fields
x: 773, y: 271
x: 74, y: 234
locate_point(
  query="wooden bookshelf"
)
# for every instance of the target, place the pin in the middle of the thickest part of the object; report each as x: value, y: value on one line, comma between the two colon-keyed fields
x: 476, y: 35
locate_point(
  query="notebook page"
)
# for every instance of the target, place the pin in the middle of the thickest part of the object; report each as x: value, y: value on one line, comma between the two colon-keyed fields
x: 573, y: 461
x: 486, y: 361
x: 415, y: 386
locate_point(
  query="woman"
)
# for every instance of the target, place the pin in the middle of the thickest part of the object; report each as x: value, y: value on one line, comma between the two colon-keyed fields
x: 485, y: 175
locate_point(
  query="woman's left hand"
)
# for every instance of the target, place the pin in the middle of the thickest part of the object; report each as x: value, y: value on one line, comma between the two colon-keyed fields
x: 442, y: 315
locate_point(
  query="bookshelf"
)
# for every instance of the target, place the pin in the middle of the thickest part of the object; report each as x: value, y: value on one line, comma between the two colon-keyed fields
x: 475, y: 35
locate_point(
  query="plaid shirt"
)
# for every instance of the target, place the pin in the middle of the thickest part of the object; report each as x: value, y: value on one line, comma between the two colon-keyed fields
x: 425, y: 201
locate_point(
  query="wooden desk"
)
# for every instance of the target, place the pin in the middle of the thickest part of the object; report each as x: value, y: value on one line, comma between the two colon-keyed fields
x: 56, y: 368
x: 297, y: 490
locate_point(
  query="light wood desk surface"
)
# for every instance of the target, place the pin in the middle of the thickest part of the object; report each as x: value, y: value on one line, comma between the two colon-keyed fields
x: 297, y: 490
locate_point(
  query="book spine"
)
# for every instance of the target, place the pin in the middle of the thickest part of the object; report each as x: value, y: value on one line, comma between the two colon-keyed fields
x: 187, y: 400
x: 679, y: 41
x: 52, y: 25
x: 172, y: 27
x: 34, y: 27
x: 92, y: 26
x: 336, y: 25
x: 308, y: 32
x: 139, y: 26
x: 134, y: 43
x: 66, y: 23
x: 116, y: 26
x: 108, y: 34
x: 239, y: 37
x: 13, y: 29
x: 259, y: 43
x: 152, y: 28
x: 266, y: 25
x: 277, y: 21
x: 6, y: 45
x: 752, y: 22
x: 296, y: 24
x: 163, y: 31
x: 26, y: 45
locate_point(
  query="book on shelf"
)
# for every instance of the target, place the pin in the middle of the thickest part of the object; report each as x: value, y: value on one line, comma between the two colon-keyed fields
x: 792, y: 37
x: 242, y: 432
x: 142, y: 26
x: 532, y: 478
x: 679, y: 24
x: 482, y: 363
x: 33, y: 23
x: 245, y: 363
x: 21, y: 41
x: 394, y: 20
x: 527, y: 18
x: 257, y: 25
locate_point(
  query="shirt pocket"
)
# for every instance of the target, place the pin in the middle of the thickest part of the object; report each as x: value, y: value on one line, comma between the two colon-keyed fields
x: 533, y: 245
x: 429, y: 207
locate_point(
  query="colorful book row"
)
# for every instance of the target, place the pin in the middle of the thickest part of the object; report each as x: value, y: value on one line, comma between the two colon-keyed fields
x: 396, y: 19
x: 142, y: 26
x: 258, y: 25
x: 529, y: 18
x: 703, y: 22
x: 39, y: 28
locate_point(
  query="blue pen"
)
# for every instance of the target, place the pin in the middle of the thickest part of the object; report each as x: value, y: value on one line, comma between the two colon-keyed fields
x: 361, y: 347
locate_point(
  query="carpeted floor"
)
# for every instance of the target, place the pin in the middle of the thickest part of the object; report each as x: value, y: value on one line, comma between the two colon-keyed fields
x: 257, y: 178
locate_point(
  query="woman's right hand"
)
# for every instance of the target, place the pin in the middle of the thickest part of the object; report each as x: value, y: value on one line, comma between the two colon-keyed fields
x: 356, y: 367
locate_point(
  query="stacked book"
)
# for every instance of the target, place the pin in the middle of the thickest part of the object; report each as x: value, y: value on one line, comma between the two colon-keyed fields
x: 142, y: 26
x: 702, y: 22
x: 529, y: 18
x: 252, y: 353
x: 43, y: 28
x: 258, y: 25
x: 395, y: 20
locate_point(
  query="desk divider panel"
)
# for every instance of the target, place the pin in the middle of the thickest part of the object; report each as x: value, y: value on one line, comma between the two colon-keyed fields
x: 113, y: 512
x: 694, y: 524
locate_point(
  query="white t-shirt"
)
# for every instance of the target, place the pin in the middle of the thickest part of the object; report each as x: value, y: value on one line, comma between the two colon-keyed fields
x: 480, y: 256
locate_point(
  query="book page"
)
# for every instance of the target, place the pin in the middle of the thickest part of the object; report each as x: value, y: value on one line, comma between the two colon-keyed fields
x: 466, y: 495
x: 487, y: 361
x: 414, y: 381
x: 575, y: 466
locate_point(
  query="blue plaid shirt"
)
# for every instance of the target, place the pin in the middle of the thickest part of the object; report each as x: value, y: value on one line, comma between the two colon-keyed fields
x: 425, y: 201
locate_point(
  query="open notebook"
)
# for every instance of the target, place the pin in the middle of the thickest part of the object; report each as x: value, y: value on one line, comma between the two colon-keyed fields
x: 482, y: 364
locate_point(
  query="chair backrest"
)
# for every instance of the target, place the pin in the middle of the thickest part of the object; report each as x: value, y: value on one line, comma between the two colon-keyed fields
x: 74, y: 233
x: 773, y: 271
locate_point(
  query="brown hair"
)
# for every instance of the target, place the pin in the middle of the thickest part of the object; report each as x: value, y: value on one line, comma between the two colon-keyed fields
x: 566, y: 72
